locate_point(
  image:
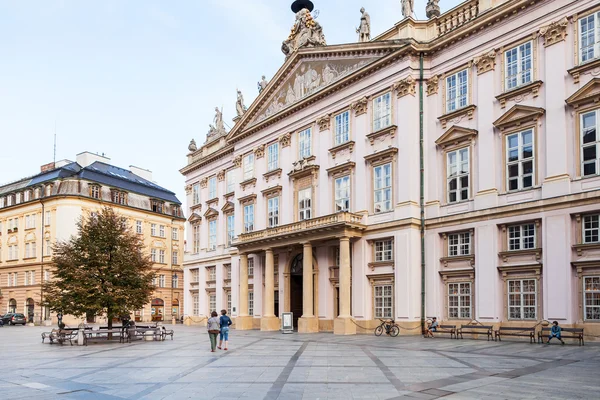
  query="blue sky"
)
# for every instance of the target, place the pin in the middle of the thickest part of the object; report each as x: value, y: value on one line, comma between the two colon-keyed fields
x: 137, y: 79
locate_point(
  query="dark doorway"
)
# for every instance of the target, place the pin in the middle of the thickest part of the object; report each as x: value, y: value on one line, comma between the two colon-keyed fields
x: 276, y: 303
x: 30, y: 310
x: 296, y: 288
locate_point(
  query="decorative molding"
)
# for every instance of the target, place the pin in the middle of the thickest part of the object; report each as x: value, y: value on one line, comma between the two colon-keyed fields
x: 285, y: 140
x: 517, y: 116
x: 276, y: 173
x: 228, y: 207
x: 306, y: 170
x: 194, y: 217
x: 433, y: 85
x: 375, y: 264
x: 344, y: 168
x: 581, y: 247
x: 213, y: 201
x: 188, y: 189
x: 272, y: 190
x: 211, y: 212
x: 248, y: 182
x: 406, y: 86
x: 324, y: 122
x: 456, y: 135
x: 259, y: 152
x: 387, y: 154
x: 203, y: 183
x: 505, y: 255
x: 485, y: 62
x: 360, y: 106
x: 592, y: 67
x: 450, y: 259
x: 588, y: 94
x: 341, y: 147
x: 555, y: 32
x: 247, y: 199
x: 457, y: 115
x: 533, y: 269
x: 237, y: 161
x: 519, y: 93
x: 390, y: 130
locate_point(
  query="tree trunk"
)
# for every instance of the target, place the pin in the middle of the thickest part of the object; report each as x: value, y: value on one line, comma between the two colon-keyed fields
x: 110, y: 318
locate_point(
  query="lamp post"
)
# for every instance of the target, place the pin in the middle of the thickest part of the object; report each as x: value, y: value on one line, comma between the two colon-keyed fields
x: 173, y: 316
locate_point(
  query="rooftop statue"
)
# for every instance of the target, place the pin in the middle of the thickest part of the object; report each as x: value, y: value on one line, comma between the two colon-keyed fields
x: 306, y: 32
x: 364, y: 30
x: 192, y: 146
x: 240, y: 108
x: 219, y: 127
x: 262, y: 84
x: 408, y: 8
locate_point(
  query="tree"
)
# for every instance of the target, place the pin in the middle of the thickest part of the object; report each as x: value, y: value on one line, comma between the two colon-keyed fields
x: 103, y: 270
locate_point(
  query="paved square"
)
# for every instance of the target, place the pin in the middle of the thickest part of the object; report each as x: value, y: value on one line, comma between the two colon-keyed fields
x: 275, y: 366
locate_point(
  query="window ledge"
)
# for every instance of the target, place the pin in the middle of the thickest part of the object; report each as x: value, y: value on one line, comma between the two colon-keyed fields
x: 579, y: 248
x: 272, y: 174
x: 576, y: 71
x: 506, y: 254
x: 375, y: 264
x: 341, y: 147
x: 532, y: 87
x: 457, y: 115
x: 211, y: 282
x: 470, y: 258
x: 390, y: 130
x: 248, y: 182
x: 211, y: 201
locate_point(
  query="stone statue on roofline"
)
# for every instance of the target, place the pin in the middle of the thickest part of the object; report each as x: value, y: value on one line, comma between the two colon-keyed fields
x: 408, y: 8
x: 262, y: 84
x: 192, y: 146
x: 364, y: 30
x: 240, y: 108
x: 219, y: 126
x: 432, y: 9
x: 306, y: 32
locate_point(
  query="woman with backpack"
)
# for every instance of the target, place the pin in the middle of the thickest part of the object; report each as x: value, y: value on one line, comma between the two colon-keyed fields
x: 213, y: 330
x: 225, y: 322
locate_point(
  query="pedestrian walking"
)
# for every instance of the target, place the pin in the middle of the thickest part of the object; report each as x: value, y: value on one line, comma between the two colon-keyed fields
x: 213, y: 330
x: 555, y: 332
x: 225, y: 322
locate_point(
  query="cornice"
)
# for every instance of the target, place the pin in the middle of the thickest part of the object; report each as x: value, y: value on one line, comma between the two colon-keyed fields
x: 228, y: 149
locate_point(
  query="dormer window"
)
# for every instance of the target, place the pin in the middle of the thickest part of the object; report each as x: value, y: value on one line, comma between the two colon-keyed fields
x: 48, y: 189
x: 119, y: 197
x: 157, y: 206
x: 95, y: 191
x: 176, y: 211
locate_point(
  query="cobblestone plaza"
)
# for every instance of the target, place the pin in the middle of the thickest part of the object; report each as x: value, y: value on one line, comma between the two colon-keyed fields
x: 269, y: 365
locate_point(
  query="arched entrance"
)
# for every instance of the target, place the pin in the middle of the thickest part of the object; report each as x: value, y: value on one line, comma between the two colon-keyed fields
x: 158, y: 310
x: 12, y: 306
x: 30, y: 309
x: 175, y: 307
x: 296, y: 288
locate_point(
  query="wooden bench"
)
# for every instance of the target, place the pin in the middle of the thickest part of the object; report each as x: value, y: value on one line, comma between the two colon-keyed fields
x: 60, y: 335
x: 516, y: 331
x: 571, y: 333
x: 105, y: 334
x: 450, y: 329
x: 166, y: 332
x: 139, y: 332
x: 475, y: 330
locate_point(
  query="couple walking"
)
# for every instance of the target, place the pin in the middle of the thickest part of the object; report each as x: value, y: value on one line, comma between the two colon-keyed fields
x: 218, y: 326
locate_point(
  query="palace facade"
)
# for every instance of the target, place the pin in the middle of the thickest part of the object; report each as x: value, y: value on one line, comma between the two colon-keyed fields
x: 36, y: 212
x: 483, y: 118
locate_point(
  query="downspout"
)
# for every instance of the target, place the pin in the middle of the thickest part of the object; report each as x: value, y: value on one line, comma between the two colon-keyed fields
x: 42, y: 266
x: 422, y: 192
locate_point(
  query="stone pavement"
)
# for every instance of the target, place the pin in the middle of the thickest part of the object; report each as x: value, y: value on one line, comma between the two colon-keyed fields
x: 275, y: 366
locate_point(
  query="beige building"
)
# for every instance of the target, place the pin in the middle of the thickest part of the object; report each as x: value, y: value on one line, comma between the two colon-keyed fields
x: 36, y: 212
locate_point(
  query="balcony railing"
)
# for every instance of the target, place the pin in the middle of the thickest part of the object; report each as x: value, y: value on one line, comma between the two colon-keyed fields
x: 458, y: 16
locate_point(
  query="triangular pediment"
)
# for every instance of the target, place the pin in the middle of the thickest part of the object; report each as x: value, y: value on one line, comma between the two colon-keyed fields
x: 455, y: 135
x: 194, y: 218
x: 228, y: 206
x: 211, y: 212
x: 519, y: 115
x: 588, y: 94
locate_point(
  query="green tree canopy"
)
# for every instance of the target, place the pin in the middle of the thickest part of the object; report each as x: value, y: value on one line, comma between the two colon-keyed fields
x: 103, y: 270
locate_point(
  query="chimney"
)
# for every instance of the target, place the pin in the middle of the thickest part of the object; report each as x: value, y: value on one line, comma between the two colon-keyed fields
x: 141, y: 172
x: 86, y: 158
x: 47, y: 167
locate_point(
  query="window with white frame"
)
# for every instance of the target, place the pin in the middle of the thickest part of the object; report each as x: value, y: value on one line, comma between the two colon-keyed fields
x: 382, y: 111
x: 384, y: 300
x: 228, y: 303
x: 161, y: 281
x: 175, y: 257
x: 230, y: 181
x: 26, y: 195
x: 30, y: 221
x: 273, y: 210
x: 46, y: 276
x: 248, y: 164
x: 249, y: 218
x: 48, y: 218
x: 212, y: 187
x: 153, y: 255
x: 174, y: 281
x: 342, y: 128
x: 304, y: 143
x: 13, y: 279
x: 228, y: 271
x: 518, y: 66
x: 153, y: 229
x: 521, y: 237
x: 95, y: 191
x: 382, y: 186
x: 304, y: 204
x: 196, y: 238
x: 251, y: 303
x: 384, y: 250
x: 459, y: 300
x: 230, y: 229
x: 459, y: 244
x: 522, y: 299
x: 589, y: 37
x: 138, y: 227
x: 196, y: 304
x: 520, y: 160
x: 13, y: 252
x: 212, y: 302
x: 591, y: 228
x: 591, y: 298
x: 174, y: 233
x: 342, y: 193
x: 273, y: 156
x: 30, y: 249
x: 458, y: 175
x: 590, y: 143
x: 196, y: 193
x: 250, y: 266
x: 457, y: 90
x: 161, y: 256
x: 48, y: 248
x: 195, y: 275
x: 212, y: 274
x: 161, y: 231
x: 212, y: 235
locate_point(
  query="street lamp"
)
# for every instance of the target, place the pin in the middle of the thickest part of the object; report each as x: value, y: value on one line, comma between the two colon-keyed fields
x: 173, y: 280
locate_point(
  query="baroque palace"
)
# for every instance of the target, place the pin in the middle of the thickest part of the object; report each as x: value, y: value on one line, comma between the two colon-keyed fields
x: 448, y: 167
x: 36, y: 212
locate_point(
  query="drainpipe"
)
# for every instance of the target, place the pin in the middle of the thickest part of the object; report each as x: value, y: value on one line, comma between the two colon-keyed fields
x: 422, y: 192
x: 42, y: 266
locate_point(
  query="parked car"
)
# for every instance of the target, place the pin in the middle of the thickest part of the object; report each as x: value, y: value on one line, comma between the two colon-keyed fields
x: 14, y: 319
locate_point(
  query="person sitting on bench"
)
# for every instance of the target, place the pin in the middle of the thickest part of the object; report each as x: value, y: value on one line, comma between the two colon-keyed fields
x: 432, y: 327
x: 555, y: 333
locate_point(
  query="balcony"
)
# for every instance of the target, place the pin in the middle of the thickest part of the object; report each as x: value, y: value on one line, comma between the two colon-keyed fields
x: 458, y: 16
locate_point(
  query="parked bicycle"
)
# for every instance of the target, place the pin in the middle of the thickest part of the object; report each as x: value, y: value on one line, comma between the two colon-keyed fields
x: 390, y: 327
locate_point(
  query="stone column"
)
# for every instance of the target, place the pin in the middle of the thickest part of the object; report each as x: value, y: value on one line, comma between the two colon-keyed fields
x: 308, y: 323
x: 269, y: 322
x: 343, y: 324
x: 243, y: 321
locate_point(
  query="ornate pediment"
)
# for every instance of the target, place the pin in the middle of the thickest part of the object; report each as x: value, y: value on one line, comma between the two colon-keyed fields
x: 194, y: 218
x: 588, y: 94
x: 456, y: 135
x: 211, y: 212
x: 519, y: 115
x: 228, y: 207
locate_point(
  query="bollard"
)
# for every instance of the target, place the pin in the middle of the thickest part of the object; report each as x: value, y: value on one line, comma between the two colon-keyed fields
x: 80, y: 335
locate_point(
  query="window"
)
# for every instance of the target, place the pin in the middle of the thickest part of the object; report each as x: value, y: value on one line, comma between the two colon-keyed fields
x: 48, y: 248
x: 195, y: 275
x: 249, y: 218
x: 591, y: 297
x: 382, y: 185
x: 342, y: 194
x: 521, y: 237
x: 273, y: 209
x: 29, y: 278
x: 212, y: 302
x: 119, y: 197
x: 30, y: 249
x: 590, y: 143
x: 212, y: 187
x: 157, y: 206
x: 228, y: 303
x: 26, y: 195
x: 95, y: 191
x: 384, y: 301
x: 589, y: 37
x: 384, y: 250
x: 591, y: 229
x: 519, y: 160
x: 30, y: 221
x: 382, y: 112
x: 273, y: 157
x: 518, y: 69
x: 212, y: 235
x: 304, y: 204
x: 174, y: 233
x: 161, y: 280
x: 230, y: 229
x: 153, y: 229
x: 230, y: 180
x: 342, y: 128
x: 212, y: 274
x: 48, y: 218
x: 153, y: 255
x: 249, y: 166
x: 46, y: 276
x: 228, y: 272
x: 196, y: 305
x: 304, y: 144
x: 459, y: 244
x: 13, y: 252
x: 13, y: 279
x: 174, y: 281
x: 456, y: 91
x: 175, y: 257
x: 458, y: 175
x: 251, y: 303
x: 522, y: 299
x: 250, y: 266
x: 161, y: 256
x: 161, y: 230
x: 196, y: 239
x: 196, y: 193
x: 459, y: 300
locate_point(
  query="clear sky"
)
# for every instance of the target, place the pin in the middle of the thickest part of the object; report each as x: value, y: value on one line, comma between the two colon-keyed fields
x: 137, y: 79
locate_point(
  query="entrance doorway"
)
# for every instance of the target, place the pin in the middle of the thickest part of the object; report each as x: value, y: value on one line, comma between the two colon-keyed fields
x: 158, y: 309
x: 30, y: 309
x: 12, y: 306
x: 175, y: 309
x: 296, y: 285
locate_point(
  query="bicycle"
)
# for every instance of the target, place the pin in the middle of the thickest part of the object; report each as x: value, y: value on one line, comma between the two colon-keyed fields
x: 390, y: 326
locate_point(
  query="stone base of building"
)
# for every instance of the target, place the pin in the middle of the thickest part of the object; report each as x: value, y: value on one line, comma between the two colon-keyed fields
x: 308, y: 325
x: 268, y: 324
x: 344, y: 326
x: 244, y: 323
